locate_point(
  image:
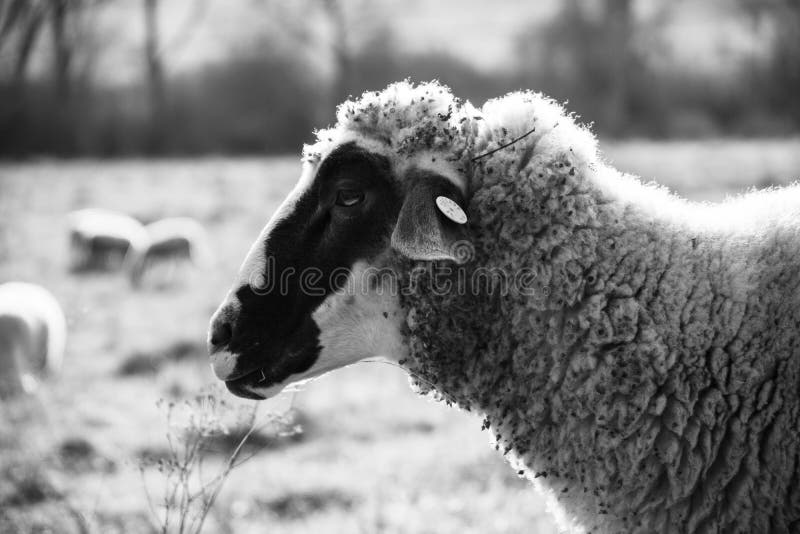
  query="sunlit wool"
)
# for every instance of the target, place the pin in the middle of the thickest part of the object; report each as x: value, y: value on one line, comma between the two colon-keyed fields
x: 647, y: 379
x: 101, y: 238
x: 168, y: 241
x: 32, y: 336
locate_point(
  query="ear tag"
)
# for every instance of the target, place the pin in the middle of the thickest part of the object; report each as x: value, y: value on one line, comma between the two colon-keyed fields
x: 451, y: 210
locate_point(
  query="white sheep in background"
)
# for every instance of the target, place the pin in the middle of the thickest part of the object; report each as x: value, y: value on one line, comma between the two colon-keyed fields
x: 100, y: 239
x: 32, y: 337
x: 644, y: 371
x: 172, y: 244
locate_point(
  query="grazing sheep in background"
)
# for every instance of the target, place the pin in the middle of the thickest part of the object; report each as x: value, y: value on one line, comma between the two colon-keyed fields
x: 172, y: 243
x: 100, y: 239
x: 635, y: 355
x: 32, y: 337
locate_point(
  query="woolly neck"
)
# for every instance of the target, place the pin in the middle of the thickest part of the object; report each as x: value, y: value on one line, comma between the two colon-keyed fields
x: 577, y: 378
x: 573, y: 377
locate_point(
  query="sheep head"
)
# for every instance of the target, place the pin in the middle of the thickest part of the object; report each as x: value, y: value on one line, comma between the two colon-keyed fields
x: 319, y: 288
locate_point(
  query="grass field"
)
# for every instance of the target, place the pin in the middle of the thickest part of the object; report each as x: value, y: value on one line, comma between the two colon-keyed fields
x: 372, y: 457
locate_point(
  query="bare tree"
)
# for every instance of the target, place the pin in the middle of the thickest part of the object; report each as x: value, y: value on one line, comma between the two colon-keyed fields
x: 21, y: 22
x: 348, y: 26
x: 155, y: 74
x: 340, y: 48
x: 619, y: 28
x: 11, y: 13
x: 60, y: 16
x: 75, y: 42
x: 588, y: 53
x: 782, y: 80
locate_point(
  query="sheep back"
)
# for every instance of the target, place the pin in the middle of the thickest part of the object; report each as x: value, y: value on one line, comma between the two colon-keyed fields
x: 32, y: 334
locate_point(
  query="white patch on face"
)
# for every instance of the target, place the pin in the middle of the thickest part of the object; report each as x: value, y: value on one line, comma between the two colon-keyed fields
x: 361, y: 321
x: 254, y: 266
x: 255, y: 262
x: 223, y: 363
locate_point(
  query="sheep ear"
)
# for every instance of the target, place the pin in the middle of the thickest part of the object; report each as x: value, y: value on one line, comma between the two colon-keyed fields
x: 431, y: 223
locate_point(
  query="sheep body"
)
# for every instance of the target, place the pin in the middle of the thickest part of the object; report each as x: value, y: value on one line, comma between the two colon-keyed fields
x: 169, y: 241
x: 100, y: 239
x: 647, y: 377
x: 32, y: 336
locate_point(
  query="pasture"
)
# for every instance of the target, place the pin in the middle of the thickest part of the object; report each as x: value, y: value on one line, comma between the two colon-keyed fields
x: 371, y: 457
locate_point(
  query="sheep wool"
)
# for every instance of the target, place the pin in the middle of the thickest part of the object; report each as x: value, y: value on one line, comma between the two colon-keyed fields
x: 644, y: 371
x: 33, y: 333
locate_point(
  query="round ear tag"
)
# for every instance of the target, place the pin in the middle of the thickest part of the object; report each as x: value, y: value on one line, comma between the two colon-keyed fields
x: 451, y: 210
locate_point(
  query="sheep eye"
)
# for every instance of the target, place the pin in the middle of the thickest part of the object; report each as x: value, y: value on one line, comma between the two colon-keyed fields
x: 349, y: 197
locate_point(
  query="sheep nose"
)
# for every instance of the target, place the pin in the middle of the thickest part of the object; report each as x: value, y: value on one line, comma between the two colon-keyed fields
x: 220, y: 331
x: 219, y: 334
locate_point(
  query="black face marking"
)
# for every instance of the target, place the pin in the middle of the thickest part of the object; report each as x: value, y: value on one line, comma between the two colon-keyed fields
x: 274, y: 335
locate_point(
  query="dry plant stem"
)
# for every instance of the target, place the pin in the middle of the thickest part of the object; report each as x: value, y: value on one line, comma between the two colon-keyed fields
x: 506, y: 145
x: 188, y: 497
x: 186, y: 475
x: 148, y: 496
x: 202, y: 491
x: 230, y: 464
x: 169, y: 498
x: 185, y: 510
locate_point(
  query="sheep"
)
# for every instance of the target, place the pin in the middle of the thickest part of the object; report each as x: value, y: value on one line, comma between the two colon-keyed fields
x: 170, y: 242
x: 100, y: 239
x: 633, y: 354
x: 32, y: 337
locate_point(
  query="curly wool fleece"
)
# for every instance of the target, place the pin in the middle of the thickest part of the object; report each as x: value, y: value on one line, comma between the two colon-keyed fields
x: 649, y: 381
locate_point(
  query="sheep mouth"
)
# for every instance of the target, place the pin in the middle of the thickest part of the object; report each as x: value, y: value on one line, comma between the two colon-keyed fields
x: 248, y: 385
x: 241, y: 387
x: 266, y: 380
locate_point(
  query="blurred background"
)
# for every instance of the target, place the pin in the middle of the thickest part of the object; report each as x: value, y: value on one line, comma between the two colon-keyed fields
x: 122, y: 77
x: 157, y: 109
